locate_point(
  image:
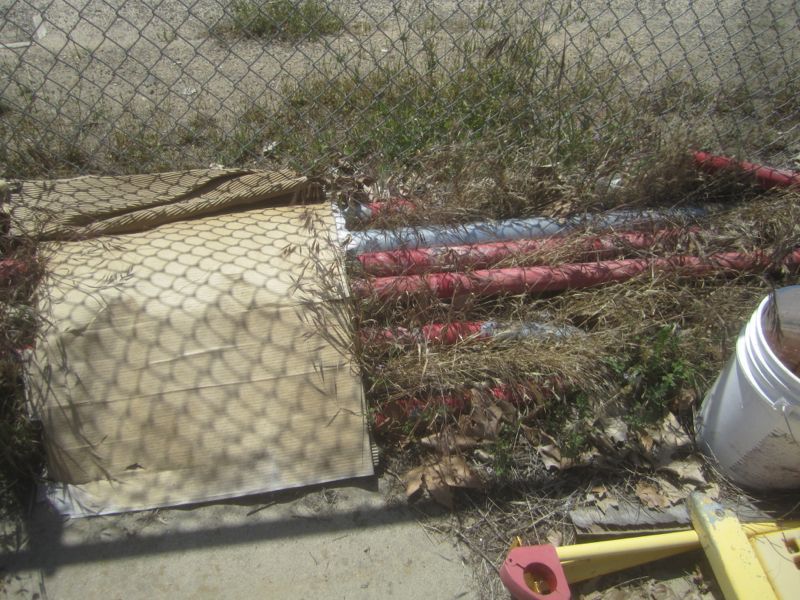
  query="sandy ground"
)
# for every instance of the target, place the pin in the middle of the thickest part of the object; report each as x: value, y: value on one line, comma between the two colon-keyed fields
x: 350, y: 541
x: 92, y: 61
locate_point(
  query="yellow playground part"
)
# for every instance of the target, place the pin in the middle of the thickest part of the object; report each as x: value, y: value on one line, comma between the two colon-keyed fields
x: 751, y: 560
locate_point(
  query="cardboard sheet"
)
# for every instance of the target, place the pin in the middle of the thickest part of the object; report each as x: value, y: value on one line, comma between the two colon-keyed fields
x: 81, y: 207
x: 178, y: 367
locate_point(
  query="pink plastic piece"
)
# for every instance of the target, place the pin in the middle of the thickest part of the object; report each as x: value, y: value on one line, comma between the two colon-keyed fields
x: 531, y: 567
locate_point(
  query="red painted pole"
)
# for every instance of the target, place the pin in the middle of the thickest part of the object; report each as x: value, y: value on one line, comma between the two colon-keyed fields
x: 11, y: 270
x: 390, y: 207
x: 482, y: 256
x: 413, y: 409
x: 766, y: 177
x: 521, y: 280
x: 432, y: 333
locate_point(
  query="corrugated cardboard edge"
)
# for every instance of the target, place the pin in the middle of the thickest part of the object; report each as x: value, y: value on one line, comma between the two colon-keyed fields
x: 80, y: 500
x: 342, y: 235
x: 89, y: 206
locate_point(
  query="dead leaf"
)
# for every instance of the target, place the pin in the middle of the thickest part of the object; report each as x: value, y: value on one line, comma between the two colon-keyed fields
x: 551, y: 456
x: 483, y: 456
x: 554, y: 537
x: 509, y: 410
x: 672, y: 494
x: 600, y: 491
x: 457, y: 473
x: 646, y: 440
x: 547, y: 438
x: 497, y: 415
x: 439, y: 477
x: 669, y: 438
x: 688, y: 470
x: 584, y: 459
x: 649, y: 495
x: 531, y: 434
x: 685, y: 401
x: 449, y: 441
x: 483, y: 422
x: 600, y: 497
x: 615, y: 429
x: 536, y: 394
x: 607, y: 503
x: 672, y: 433
x: 414, y: 480
x: 439, y: 490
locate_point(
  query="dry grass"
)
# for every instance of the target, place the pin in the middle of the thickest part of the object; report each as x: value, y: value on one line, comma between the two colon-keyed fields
x: 478, y: 139
x: 648, y: 347
x: 20, y: 459
x: 691, y: 321
x: 284, y: 20
x: 694, y: 319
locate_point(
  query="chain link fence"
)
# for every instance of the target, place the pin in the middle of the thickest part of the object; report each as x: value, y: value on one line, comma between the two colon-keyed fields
x: 480, y: 110
x: 112, y: 86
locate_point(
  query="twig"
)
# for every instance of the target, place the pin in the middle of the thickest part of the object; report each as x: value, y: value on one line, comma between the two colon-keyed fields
x: 478, y: 551
x: 491, y: 524
x: 260, y: 508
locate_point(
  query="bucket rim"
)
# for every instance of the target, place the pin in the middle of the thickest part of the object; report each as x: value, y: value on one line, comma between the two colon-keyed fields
x: 755, y: 337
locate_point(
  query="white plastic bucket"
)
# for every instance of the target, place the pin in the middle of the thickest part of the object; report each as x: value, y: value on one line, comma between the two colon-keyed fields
x: 750, y: 419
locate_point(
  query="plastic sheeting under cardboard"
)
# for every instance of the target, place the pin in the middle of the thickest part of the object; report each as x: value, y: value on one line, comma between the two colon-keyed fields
x: 178, y: 367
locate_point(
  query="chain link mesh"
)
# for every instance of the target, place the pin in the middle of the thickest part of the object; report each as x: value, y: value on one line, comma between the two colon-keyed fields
x: 112, y: 86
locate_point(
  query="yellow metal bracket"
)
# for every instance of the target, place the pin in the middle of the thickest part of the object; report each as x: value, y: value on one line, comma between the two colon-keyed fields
x: 585, y: 561
x: 779, y: 554
x: 736, y: 567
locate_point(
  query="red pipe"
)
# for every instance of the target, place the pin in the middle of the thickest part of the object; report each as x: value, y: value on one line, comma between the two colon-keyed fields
x: 519, y: 280
x: 433, y: 333
x: 481, y: 256
x: 416, y: 408
x: 451, y: 333
x: 766, y: 177
x: 392, y: 206
x: 12, y: 270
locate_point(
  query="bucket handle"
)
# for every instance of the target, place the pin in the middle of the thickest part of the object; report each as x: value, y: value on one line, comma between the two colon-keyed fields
x: 786, y: 409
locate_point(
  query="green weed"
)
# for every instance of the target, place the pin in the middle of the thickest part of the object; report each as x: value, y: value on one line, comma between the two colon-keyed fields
x: 398, y: 112
x: 654, y: 375
x: 569, y: 419
x: 20, y: 448
x: 503, y: 452
x: 285, y: 20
